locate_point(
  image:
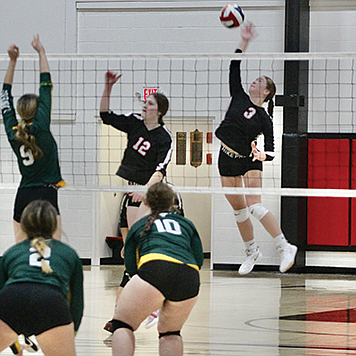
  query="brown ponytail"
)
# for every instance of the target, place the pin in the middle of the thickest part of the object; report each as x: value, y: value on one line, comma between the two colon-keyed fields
x: 270, y: 108
x: 160, y: 198
x: 27, y: 107
x: 162, y: 105
x: 269, y: 98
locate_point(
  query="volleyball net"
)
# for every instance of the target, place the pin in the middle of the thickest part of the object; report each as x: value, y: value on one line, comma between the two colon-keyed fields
x: 198, y: 90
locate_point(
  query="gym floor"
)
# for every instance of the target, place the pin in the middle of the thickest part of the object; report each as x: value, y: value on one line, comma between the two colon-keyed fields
x: 265, y: 314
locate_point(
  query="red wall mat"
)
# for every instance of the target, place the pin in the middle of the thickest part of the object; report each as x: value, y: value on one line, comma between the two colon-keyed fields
x: 328, y: 163
x: 353, y: 200
x: 328, y: 168
x: 328, y: 221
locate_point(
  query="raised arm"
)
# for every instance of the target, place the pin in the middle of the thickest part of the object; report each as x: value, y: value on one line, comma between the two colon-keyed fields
x: 38, y: 47
x: 247, y: 35
x: 110, y: 79
x: 13, y: 52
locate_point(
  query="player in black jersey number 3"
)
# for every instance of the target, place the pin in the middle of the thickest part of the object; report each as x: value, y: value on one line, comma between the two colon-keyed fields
x: 240, y: 162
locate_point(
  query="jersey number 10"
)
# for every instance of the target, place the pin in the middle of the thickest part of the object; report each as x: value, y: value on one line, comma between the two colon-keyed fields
x: 168, y: 225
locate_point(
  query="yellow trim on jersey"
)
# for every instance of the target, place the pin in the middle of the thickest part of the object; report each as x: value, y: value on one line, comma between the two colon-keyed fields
x: 61, y: 184
x: 160, y: 256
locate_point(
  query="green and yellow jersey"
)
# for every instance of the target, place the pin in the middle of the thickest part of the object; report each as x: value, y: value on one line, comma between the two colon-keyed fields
x: 171, y: 238
x: 45, y: 170
x: 22, y: 263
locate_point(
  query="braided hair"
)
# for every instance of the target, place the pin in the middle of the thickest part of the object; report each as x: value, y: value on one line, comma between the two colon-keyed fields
x: 39, y: 222
x: 160, y: 198
x: 27, y: 107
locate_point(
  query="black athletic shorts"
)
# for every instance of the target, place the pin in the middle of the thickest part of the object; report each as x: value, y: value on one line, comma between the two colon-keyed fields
x: 125, y: 202
x: 230, y: 166
x: 25, y: 196
x: 125, y: 279
x: 33, y: 308
x: 176, y: 281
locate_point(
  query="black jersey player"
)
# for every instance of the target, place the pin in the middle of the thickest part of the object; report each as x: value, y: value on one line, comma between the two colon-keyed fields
x: 149, y: 143
x: 31, y: 139
x: 146, y: 157
x: 240, y: 162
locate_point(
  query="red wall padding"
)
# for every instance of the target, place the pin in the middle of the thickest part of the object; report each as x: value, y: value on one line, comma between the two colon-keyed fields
x: 328, y: 167
x: 353, y: 200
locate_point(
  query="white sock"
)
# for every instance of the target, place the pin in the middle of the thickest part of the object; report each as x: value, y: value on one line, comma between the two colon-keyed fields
x: 280, y: 241
x: 251, y: 245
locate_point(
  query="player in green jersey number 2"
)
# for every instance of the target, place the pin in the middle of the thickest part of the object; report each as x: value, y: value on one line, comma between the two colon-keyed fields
x: 37, y: 277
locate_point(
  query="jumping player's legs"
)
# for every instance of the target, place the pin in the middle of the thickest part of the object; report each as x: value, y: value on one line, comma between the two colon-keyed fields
x: 286, y: 250
x: 8, y: 336
x: 58, y: 341
x: 253, y: 179
x: 244, y: 224
x: 238, y: 204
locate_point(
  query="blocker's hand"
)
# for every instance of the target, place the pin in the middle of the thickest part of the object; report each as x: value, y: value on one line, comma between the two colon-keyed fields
x: 111, y: 77
x: 13, y: 52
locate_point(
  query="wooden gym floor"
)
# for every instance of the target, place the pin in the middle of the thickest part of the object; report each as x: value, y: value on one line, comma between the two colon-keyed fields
x: 265, y: 314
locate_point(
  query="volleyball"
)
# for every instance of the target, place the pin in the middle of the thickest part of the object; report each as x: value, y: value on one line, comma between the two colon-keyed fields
x: 232, y: 16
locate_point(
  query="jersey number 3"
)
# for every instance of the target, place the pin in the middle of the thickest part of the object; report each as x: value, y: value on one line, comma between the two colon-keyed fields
x: 249, y: 113
x: 142, y: 146
x: 27, y: 156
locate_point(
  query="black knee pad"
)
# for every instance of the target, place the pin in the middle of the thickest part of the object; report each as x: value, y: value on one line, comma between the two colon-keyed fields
x: 169, y: 333
x: 118, y: 324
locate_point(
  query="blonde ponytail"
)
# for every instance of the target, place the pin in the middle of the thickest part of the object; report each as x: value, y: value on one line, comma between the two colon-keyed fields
x: 40, y: 245
x: 27, y: 107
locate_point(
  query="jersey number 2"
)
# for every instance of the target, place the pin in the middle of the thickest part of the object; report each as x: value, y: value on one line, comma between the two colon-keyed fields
x: 27, y: 156
x: 142, y: 146
x: 35, y: 257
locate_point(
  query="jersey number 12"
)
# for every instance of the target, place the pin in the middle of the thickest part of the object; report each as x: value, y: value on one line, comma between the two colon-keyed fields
x: 142, y: 146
